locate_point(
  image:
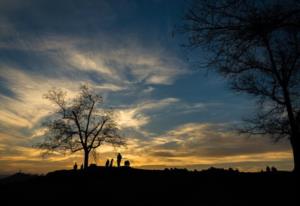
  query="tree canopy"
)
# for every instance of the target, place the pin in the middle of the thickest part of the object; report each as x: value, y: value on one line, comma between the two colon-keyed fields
x: 255, y: 46
x: 79, y: 124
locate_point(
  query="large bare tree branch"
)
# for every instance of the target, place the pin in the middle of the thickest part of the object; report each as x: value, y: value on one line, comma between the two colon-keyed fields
x: 255, y: 45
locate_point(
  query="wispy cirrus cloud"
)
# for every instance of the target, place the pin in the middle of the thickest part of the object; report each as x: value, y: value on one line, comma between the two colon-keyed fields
x: 211, y: 144
x: 136, y: 117
x: 129, y: 62
x: 22, y: 113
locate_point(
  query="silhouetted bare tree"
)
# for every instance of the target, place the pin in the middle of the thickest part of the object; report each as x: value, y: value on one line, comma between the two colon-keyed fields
x: 79, y: 124
x: 255, y: 45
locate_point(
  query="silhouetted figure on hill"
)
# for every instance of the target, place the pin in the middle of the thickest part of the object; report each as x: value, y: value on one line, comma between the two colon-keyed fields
x: 75, y: 166
x: 119, y: 159
x: 127, y: 163
x: 107, y: 163
x: 268, y: 169
x: 111, y: 162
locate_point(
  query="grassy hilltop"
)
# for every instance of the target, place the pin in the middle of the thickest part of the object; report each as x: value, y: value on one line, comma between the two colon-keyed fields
x: 128, y: 186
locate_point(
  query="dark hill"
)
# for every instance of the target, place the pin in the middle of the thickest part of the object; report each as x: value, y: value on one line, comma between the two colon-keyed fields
x: 127, y: 186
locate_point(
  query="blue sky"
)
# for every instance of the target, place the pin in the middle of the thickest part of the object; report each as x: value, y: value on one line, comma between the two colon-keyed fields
x: 171, y: 112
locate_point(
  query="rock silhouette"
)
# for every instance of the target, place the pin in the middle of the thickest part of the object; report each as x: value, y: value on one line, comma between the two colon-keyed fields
x: 127, y: 163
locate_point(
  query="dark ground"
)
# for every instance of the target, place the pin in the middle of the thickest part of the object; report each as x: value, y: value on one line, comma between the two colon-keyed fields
x: 126, y: 186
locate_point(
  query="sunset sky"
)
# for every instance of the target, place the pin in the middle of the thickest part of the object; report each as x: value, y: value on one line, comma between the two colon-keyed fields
x: 171, y: 113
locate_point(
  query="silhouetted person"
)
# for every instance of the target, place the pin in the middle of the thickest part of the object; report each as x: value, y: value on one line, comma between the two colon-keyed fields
x: 81, y: 167
x: 268, y: 169
x: 127, y: 163
x: 119, y: 159
x: 75, y: 166
x: 111, y: 162
x: 107, y: 163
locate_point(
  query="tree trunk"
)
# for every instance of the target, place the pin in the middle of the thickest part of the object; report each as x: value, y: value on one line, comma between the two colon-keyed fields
x: 295, y: 133
x: 294, y: 125
x: 86, y: 159
x: 296, y: 152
